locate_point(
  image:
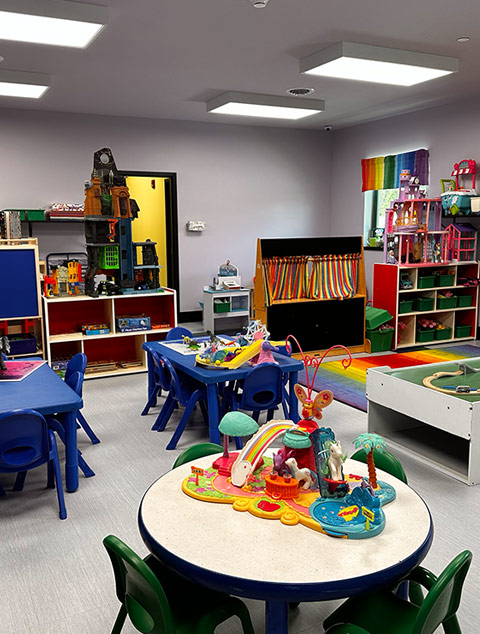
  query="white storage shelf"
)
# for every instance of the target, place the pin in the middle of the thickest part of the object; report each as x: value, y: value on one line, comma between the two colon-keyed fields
x: 238, y: 303
x: 65, y: 315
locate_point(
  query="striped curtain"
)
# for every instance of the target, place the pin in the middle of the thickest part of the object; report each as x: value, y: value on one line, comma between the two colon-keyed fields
x: 383, y: 172
x: 285, y: 278
x: 334, y: 276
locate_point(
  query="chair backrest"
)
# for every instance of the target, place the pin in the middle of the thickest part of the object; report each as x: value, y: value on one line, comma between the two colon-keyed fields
x: 197, y: 451
x: 177, y: 333
x: 77, y: 363
x: 262, y: 388
x: 139, y: 590
x: 383, y: 460
x: 75, y: 381
x: 162, y: 377
x: 443, y: 599
x: 24, y: 440
x: 173, y: 381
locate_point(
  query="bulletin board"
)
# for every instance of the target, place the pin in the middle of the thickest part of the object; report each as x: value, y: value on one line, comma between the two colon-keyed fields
x: 19, y: 291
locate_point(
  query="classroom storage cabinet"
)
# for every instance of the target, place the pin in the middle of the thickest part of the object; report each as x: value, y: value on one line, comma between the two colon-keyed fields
x: 396, y: 288
x: 112, y: 352
x: 224, y: 311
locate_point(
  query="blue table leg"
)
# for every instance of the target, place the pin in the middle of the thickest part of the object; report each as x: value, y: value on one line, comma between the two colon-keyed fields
x: 292, y: 399
x: 213, y: 421
x: 151, y: 376
x: 71, y: 456
x: 276, y: 617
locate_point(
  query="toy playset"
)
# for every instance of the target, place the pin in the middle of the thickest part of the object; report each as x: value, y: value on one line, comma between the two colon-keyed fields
x: 456, y: 198
x: 471, y: 374
x: 304, y: 481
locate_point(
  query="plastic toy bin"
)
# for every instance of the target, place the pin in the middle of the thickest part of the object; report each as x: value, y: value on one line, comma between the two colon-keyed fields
x: 464, y: 301
x: 444, y: 280
x: 423, y: 303
x: 428, y: 334
x: 22, y: 344
x: 426, y: 281
x: 463, y: 330
x: 405, y: 306
x: 380, y: 340
x: 444, y: 333
x: 446, y: 302
x: 221, y: 305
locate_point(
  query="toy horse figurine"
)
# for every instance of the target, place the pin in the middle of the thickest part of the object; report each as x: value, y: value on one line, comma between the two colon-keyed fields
x: 304, y: 475
x: 336, y: 460
x: 4, y: 347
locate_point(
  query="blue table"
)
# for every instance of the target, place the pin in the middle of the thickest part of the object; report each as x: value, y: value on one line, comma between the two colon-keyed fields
x: 212, y: 378
x: 45, y: 392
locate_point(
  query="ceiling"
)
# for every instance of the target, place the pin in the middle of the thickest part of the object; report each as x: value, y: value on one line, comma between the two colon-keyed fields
x: 164, y: 58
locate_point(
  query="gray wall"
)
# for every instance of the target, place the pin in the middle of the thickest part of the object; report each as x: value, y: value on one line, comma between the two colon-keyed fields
x: 244, y: 181
x: 449, y: 132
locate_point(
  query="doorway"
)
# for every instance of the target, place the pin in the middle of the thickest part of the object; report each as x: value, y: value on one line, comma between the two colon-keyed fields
x: 156, y: 196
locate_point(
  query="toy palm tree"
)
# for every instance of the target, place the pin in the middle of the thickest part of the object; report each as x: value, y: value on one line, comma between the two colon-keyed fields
x: 369, y: 442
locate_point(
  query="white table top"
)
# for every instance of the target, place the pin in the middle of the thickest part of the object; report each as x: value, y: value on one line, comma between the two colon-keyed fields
x: 217, y: 538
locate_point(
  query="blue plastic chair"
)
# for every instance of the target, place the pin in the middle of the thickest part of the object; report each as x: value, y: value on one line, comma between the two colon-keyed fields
x: 182, y: 390
x: 262, y: 390
x: 74, y: 381
x: 177, y: 333
x: 161, y: 383
x: 78, y: 363
x: 26, y: 443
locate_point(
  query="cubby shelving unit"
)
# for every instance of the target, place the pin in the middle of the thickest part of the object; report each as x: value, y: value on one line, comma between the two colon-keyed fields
x: 64, y: 317
x: 427, y: 300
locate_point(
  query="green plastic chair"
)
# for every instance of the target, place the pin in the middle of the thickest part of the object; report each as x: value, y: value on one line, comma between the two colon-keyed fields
x: 159, y: 601
x: 197, y: 451
x: 383, y: 460
x: 384, y: 612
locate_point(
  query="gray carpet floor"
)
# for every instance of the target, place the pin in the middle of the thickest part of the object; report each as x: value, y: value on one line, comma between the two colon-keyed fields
x: 55, y: 576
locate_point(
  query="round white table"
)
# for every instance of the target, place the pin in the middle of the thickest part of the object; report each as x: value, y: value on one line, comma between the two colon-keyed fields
x: 246, y: 556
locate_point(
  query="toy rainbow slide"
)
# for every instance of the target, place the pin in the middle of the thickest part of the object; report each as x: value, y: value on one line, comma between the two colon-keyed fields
x: 248, y: 458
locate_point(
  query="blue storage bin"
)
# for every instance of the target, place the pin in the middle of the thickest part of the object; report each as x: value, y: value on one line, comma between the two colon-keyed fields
x: 456, y: 202
x: 22, y: 344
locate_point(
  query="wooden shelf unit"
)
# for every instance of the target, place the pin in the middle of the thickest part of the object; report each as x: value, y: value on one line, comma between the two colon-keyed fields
x: 20, y: 291
x: 387, y: 294
x: 316, y: 323
x: 64, y: 317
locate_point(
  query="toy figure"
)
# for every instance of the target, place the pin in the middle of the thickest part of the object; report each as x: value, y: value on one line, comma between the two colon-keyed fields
x: 5, y: 348
x: 265, y: 355
x: 336, y: 460
x: 305, y: 475
x: 313, y: 408
x: 280, y: 460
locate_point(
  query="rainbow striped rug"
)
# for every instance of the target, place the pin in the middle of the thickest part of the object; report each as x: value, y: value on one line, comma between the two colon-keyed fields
x: 348, y: 386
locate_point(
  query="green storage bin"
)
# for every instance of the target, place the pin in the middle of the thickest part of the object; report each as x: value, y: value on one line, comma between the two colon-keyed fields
x: 463, y: 301
x: 35, y: 214
x: 423, y: 303
x: 375, y: 317
x: 445, y: 333
x: 446, y: 302
x: 405, y: 306
x: 463, y: 330
x: 444, y: 280
x: 426, y: 281
x: 221, y: 305
x: 425, y: 335
x: 381, y: 340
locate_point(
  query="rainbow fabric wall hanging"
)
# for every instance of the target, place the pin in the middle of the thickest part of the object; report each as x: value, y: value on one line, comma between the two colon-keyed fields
x: 383, y: 172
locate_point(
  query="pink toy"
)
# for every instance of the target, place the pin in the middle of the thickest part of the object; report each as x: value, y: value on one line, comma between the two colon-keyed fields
x: 467, y: 166
x: 265, y: 355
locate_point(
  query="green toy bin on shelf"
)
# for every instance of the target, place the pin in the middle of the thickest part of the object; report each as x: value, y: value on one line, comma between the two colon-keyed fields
x: 405, y: 306
x: 464, y: 301
x: 428, y: 334
x: 426, y: 281
x: 444, y: 279
x: 221, y: 305
x: 423, y: 303
x: 446, y: 302
x: 463, y: 330
x: 444, y: 333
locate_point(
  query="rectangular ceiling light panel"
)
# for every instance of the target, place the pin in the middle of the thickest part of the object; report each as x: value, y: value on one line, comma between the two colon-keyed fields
x: 267, y: 106
x: 20, y: 84
x: 54, y: 22
x: 362, y: 62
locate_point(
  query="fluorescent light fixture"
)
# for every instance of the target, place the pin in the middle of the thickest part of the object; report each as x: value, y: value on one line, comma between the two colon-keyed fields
x: 377, y: 64
x: 55, y: 22
x: 268, y: 106
x: 14, y: 83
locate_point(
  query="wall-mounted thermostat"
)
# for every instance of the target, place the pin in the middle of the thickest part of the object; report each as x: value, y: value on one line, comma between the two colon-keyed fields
x: 195, y: 225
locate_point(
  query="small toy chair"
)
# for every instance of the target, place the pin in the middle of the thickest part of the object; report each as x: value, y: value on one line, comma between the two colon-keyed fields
x: 383, y: 460
x: 26, y: 443
x: 384, y: 612
x: 177, y: 333
x: 161, y: 383
x: 197, y: 451
x: 262, y: 390
x: 78, y: 363
x: 56, y: 422
x: 287, y: 352
x: 159, y: 601
x: 182, y: 390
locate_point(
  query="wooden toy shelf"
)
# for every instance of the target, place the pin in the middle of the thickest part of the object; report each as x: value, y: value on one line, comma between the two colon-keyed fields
x: 317, y: 323
x: 64, y: 317
x: 424, y: 300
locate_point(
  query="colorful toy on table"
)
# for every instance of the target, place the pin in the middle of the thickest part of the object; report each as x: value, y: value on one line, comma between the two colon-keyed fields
x: 369, y: 442
x: 457, y: 390
x: 266, y: 354
x: 233, y: 424
x: 192, y: 344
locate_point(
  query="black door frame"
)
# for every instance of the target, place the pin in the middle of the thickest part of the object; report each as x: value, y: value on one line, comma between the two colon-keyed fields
x: 171, y: 224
